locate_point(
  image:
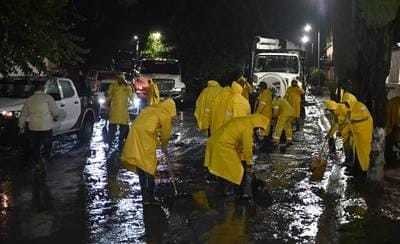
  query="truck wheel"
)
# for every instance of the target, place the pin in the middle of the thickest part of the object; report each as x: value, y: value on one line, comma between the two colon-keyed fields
x: 86, y: 131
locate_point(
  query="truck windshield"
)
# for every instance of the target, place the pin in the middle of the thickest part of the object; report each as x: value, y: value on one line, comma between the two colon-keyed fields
x: 277, y: 63
x: 155, y: 67
x: 17, y: 88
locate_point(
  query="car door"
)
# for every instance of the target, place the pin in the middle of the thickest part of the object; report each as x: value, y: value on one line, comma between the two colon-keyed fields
x: 53, y: 89
x: 70, y: 103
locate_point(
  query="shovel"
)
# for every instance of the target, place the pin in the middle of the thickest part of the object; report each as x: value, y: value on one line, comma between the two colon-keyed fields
x: 319, y: 162
x: 171, y: 173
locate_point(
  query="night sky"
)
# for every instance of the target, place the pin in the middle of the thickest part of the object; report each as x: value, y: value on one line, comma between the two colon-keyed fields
x: 194, y: 28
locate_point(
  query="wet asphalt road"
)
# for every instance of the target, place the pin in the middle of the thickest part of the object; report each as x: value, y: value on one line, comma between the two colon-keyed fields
x: 95, y: 201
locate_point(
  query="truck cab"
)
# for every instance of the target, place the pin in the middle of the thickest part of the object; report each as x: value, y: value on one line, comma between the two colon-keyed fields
x: 166, y: 73
x: 275, y: 66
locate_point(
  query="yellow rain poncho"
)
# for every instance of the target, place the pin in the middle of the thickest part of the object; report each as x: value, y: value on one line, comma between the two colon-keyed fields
x: 247, y: 88
x: 231, y: 144
x: 338, y: 120
x: 153, y: 96
x: 218, y: 110
x: 204, y: 104
x: 228, y: 105
x: 264, y: 106
x: 238, y: 106
x: 361, y: 129
x: 285, y: 119
x: 119, y: 96
x: 293, y: 95
x: 392, y: 114
x: 140, y: 146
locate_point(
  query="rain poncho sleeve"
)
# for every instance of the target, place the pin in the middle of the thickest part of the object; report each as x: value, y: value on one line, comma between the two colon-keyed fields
x: 247, y: 146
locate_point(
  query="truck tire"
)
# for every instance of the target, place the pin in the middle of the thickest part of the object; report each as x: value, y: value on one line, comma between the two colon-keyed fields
x: 86, y: 130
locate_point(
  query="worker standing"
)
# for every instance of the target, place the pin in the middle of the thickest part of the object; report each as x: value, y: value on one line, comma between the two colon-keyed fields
x: 264, y: 104
x: 286, y: 114
x: 139, y: 152
x: 204, y: 105
x: 119, y: 95
x: 294, y: 94
x: 361, y: 129
x: 153, y: 95
x: 230, y: 149
x: 38, y: 117
x: 218, y: 109
x: 238, y: 106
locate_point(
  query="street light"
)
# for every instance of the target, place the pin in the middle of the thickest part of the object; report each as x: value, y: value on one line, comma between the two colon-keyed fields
x: 305, y: 39
x: 136, y: 39
x: 307, y: 28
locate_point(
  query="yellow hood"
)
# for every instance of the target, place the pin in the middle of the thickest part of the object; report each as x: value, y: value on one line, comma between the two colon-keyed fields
x: 330, y: 104
x: 349, y: 98
x: 212, y: 83
x: 259, y: 121
x: 236, y: 88
x: 169, y: 106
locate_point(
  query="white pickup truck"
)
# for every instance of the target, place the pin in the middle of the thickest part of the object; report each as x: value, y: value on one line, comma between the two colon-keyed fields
x: 79, y: 106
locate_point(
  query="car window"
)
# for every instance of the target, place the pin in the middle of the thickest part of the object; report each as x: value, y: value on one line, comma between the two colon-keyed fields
x: 67, y: 89
x: 53, y: 90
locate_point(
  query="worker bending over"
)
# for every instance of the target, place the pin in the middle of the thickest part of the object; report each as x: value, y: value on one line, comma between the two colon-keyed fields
x: 139, y: 152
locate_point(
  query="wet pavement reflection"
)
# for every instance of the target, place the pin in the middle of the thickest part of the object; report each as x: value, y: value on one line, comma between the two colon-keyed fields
x: 97, y: 201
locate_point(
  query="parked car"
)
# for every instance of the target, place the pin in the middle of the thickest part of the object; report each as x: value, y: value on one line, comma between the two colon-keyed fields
x: 79, y: 107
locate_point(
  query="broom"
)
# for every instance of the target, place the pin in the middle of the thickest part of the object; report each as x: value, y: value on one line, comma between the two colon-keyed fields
x: 319, y: 162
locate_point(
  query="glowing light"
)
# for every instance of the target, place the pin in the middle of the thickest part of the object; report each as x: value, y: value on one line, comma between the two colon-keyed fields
x: 155, y: 36
x: 307, y: 28
x: 7, y: 113
x: 102, y: 100
x: 135, y: 37
x: 305, y: 39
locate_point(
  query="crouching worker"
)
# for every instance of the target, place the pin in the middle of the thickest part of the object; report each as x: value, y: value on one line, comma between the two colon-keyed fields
x: 339, y: 124
x: 229, y: 152
x: 139, y: 152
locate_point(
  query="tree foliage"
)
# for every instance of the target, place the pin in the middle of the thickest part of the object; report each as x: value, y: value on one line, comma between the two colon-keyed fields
x: 379, y: 13
x: 35, y: 30
x: 155, y: 46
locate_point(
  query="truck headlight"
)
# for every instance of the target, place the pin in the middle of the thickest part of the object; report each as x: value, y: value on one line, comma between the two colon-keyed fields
x: 7, y: 114
x: 102, y: 101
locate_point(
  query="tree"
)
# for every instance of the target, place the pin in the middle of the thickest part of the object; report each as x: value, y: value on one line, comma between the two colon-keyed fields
x: 33, y: 31
x: 155, y: 47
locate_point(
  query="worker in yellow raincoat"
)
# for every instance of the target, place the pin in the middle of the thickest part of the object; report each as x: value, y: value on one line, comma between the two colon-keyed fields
x: 264, y: 104
x: 338, y: 122
x: 361, y: 129
x: 247, y: 87
x: 119, y: 96
x: 204, y: 104
x: 153, y: 94
x: 229, y: 104
x: 139, y: 152
x: 231, y: 147
x: 238, y: 105
x: 392, y: 114
x: 294, y: 94
x: 286, y: 114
